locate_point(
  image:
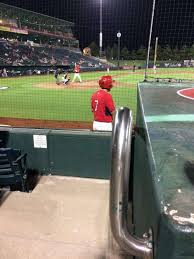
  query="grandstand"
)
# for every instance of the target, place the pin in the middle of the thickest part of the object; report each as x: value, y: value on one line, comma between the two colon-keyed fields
x: 38, y: 28
x: 33, y: 39
x: 15, y: 53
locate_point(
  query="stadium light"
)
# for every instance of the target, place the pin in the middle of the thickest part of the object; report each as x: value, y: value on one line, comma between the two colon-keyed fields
x: 100, y: 34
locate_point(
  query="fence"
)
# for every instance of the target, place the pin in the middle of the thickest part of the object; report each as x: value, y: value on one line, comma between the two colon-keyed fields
x: 34, y: 46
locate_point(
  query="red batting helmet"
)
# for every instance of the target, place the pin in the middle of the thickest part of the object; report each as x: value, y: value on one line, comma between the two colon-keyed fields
x: 106, y: 82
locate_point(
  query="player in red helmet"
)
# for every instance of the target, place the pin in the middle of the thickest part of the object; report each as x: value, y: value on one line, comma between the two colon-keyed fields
x: 102, y: 105
x: 77, y: 73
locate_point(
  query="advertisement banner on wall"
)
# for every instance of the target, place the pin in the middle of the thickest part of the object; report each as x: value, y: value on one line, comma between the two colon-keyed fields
x: 14, y: 30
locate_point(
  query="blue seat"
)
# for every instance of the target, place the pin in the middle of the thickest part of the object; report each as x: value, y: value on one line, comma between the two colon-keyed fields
x: 13, y: 168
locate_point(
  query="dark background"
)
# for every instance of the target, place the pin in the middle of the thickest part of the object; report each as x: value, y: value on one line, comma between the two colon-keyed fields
x: 173, y: 22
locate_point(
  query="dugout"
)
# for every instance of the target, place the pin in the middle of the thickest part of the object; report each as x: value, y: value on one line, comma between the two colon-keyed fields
x: 163, y: 169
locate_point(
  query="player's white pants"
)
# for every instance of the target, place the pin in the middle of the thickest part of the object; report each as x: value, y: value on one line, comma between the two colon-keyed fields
x: 102, y: 126
x: 65, y: 81
x: 77, y: 75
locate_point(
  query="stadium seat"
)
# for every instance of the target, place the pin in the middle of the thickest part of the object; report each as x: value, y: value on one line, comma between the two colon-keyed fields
x: 42, y: 56
x: 13, y: 169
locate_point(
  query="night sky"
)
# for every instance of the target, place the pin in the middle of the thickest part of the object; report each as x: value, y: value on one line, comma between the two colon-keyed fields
x: 173, y: 23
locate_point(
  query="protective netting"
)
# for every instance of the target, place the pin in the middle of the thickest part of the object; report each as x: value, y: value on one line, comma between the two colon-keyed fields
x: 40, y: 41
x: 172, y: 38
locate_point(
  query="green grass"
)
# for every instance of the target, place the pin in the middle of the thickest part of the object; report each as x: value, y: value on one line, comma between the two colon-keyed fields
x: 24, y: 100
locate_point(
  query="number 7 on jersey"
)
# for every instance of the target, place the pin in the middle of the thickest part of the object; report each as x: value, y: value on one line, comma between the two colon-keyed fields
x: 96, y: 105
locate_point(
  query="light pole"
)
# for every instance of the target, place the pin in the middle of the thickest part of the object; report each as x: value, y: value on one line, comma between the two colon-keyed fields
x: 150, y: 38
x: 119, y: 43
x: 100, y: 34
x: 155, y: 51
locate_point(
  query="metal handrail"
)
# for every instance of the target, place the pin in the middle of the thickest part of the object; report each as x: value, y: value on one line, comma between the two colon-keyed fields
x: 119, y: 186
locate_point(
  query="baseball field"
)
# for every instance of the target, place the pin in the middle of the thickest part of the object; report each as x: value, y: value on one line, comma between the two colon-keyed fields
x: 38, y: 102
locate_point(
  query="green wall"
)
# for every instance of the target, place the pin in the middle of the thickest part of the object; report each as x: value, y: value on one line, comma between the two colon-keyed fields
x: 80, y: 153
x: 153, y: 190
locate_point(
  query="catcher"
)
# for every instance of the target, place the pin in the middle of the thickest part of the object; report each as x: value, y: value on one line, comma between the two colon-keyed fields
x: 103, y: 106
x: 65, y: 78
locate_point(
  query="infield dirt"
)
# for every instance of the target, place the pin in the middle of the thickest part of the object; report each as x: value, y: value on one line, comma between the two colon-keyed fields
x: 83, y: 86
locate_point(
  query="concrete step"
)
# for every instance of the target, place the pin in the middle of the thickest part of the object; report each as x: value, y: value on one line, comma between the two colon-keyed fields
x: 63, y: 217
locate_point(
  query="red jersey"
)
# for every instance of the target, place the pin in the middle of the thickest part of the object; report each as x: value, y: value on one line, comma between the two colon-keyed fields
x: 77, y: 69
x: 102, y: 106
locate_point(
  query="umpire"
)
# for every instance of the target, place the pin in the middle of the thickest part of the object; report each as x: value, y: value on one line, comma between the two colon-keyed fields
x: 56, y: 75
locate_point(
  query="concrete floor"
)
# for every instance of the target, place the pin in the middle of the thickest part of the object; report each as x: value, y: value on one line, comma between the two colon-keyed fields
x: 63, y: 217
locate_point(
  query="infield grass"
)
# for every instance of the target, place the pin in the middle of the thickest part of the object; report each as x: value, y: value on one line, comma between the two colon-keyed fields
x: 23, y: 100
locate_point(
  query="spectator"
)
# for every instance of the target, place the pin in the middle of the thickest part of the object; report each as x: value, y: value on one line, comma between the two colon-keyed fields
x: 4, y: 72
